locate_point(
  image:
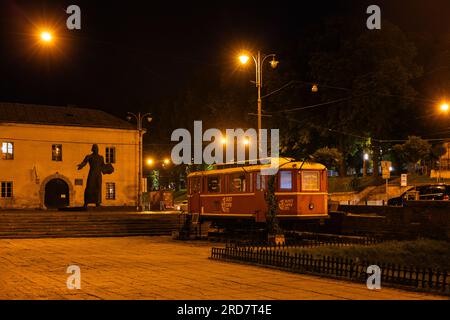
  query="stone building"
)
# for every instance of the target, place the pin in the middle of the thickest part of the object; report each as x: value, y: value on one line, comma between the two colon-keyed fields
x: 41, y: 147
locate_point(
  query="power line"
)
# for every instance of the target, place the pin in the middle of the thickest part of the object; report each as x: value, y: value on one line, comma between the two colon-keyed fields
x: 310, y: 106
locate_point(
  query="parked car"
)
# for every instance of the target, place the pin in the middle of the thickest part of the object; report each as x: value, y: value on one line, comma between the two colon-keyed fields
x: 424, y: 192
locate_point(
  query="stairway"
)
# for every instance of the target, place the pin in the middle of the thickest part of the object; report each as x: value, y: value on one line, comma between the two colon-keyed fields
x: 56, y: 224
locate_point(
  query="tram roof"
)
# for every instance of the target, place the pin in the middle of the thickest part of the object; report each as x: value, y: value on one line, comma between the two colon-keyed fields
x: 284, y: 163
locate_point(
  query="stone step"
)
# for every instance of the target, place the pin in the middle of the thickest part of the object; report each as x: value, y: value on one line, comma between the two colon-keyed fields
x: 78, y: 235
x: 82, y: 224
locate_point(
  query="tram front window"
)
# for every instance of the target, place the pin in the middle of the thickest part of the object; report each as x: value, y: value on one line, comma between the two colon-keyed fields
x: 213, y: 184
x: 286, y: 180
x: 261, y: 182
x: 238, y: 183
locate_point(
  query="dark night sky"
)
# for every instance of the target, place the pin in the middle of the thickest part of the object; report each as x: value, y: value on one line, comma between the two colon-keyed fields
x: 134, y: 55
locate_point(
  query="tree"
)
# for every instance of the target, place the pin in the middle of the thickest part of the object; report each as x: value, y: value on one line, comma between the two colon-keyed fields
x: 273, y: 227
x: 412, y: 151
x: 330, y: 157
x: 376, y: 68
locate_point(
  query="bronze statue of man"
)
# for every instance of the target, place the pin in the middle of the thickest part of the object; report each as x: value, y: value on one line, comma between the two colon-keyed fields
x: 93, y: 191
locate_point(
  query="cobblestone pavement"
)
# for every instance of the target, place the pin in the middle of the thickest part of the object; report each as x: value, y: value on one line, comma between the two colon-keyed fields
x: 156, y: 268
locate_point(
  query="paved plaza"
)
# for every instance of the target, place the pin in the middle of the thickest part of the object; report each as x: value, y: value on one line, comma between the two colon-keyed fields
x: 157, y: 268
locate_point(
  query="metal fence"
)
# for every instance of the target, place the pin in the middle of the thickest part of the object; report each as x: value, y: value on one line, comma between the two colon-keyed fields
x: 428, y: 280
x: 310, y: 240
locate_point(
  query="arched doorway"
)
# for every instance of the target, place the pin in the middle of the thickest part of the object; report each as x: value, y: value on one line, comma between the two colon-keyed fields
x: 56, y: 194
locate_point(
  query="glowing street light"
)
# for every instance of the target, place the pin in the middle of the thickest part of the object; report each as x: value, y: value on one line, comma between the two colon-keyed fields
x: 365, y: 159
x: 46, y: 36
x: 150, y: 162
x: 444, y: 107
x: 166, y: 161
x: 244, y: 59
x: 246, y: 141
x: 224, y: 140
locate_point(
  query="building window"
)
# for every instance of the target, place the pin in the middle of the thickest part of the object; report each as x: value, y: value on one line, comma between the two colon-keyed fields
x: 237, y: 183
x: 310, y: 181
x: 214, y: 184
x: 286, y: 180
x: 7, y: 150
x: 6, y: 189
x: 57, y: 152
x: 110, y: 155
x: 110, y: 191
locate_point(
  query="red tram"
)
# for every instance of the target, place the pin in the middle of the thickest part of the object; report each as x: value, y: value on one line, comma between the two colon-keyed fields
x: 238, y: 193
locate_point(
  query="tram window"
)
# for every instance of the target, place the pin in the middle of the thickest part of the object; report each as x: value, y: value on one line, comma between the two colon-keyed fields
x: 261, y: 182
x: 286, y: 180
x: 310, y: 181
x: 238, y: 183
x: 213, y: 184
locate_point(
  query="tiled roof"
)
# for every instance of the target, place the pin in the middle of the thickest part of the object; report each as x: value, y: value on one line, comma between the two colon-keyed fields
x: 65, y: 116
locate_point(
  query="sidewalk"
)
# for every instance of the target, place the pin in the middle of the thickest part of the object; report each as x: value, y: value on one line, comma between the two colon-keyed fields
x: 157, y: 268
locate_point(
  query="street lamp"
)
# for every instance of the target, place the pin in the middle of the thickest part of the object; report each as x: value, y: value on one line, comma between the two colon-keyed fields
x: 139, y: 120
x: 259, y: 62
x: 365, y: 159
x: 444, y: 107
x: 46, y: 36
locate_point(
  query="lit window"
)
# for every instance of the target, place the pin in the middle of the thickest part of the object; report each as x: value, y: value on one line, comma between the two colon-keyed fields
x: 214, y: 184
x: 285, y: 180
x: 237, y: 183
x: 110, y: 154
x: 110, y: 191
x: 7, y: 151
x: 6, y: 189
x: 310, y: 181
x: 57, y: 152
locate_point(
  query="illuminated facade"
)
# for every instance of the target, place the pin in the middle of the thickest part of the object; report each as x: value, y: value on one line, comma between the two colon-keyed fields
x: 41, y: 147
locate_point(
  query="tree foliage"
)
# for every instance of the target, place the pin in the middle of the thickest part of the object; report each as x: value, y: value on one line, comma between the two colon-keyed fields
x: 413, y: 150
x: 330, y: 157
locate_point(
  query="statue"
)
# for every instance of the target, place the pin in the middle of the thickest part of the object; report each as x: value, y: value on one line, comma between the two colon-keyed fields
x: 93, y: 191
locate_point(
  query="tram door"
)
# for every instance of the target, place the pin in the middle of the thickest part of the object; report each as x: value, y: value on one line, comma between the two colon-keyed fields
x: 194, y: 195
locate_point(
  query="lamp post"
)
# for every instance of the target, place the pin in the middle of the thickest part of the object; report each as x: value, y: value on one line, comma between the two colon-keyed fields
x: 139, y: 120
x: 365, y: 159
x: 259, y: 63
